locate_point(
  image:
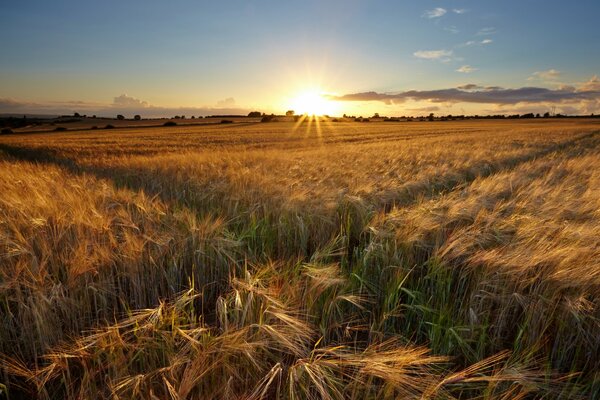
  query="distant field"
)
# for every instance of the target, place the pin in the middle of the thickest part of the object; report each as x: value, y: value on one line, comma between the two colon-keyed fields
x: 337, y: 260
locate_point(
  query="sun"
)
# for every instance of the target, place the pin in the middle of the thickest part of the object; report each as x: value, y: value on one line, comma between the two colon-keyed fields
x: 312, y: 102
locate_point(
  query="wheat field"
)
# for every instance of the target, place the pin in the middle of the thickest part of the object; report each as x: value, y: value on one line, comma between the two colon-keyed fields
x: 338, y: 260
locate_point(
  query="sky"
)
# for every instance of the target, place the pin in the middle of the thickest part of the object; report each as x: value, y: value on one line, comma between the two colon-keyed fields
x: 394, y: 57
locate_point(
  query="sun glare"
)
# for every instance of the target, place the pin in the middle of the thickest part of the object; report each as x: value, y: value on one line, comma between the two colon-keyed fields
x: 312, y: 102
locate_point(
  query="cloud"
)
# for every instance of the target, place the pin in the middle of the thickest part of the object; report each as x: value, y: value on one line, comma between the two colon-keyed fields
x: 466, y: 69
x: 433, y: 54
x: 475, y: 42
x: 489, y: 95
x: 10, y: 104
x: 424, y: 109
x: 452, y: 29
x: 228, y: 102
x: 486, y: 31
x: 548, y: 75
x: 592, y: 85
x: 129, y: 102
x: 459, y: 10
x: 470, y: 86
x: 435, y: 13
x: 122, y: 104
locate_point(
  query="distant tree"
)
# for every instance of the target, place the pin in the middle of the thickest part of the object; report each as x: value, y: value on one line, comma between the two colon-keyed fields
x: 193, y: 117
x: 547, y: 114
x: 267, y: 118
x: 120, y: 117
x: 376, y: 115
x: 430, y: 117
x: 289, y: 113
x: 254, y: 114
x: 94, y: 116
x: 137, y: 117
x: 183, y: 117
x: 76, y: 115
x: 537, y: 115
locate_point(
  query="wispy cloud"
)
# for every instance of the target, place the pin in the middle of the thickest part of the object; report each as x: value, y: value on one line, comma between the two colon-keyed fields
x: 475, y: 42
x: 549, y: 75
x: 486, y: 31
x: 459, y: 10
x: 466, y: 69
x: 433, y: 54
x: 452, y: 29
x: 435, y: 13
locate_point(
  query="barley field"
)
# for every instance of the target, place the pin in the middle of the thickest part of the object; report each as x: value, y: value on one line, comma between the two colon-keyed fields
x: 338, y: 260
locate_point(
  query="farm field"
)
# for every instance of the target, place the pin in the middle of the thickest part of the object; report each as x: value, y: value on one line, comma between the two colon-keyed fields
x: 439, y: 260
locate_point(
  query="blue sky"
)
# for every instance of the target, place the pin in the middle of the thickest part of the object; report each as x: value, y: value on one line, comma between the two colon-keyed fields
x: 203, y: 57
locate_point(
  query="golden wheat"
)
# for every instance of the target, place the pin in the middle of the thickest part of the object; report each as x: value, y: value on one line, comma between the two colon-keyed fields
x: 382, y: 260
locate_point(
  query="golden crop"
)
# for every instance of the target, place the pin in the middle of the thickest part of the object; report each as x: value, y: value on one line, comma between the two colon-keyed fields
x: 359, y: 260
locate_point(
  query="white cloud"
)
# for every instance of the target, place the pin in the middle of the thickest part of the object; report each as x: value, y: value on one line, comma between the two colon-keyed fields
x: 459, y: 10
x: 435, y: 13
x: 549, y: 75
x: 433, y: 54
x: 474, y: 42
x: 466, y: 69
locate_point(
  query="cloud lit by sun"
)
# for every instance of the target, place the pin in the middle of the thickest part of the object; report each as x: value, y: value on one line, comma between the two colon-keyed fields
x: 312, y: 102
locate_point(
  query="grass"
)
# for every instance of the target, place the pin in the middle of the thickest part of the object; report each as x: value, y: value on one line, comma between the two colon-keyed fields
x: 430, y: 260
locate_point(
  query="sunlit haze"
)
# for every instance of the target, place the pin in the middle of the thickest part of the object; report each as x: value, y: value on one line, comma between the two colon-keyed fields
x: 313, y: 102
